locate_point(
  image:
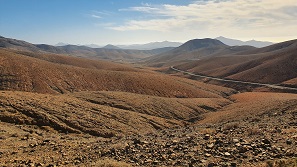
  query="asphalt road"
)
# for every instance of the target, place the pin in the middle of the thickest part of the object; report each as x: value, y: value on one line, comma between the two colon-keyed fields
x: 235, y: 81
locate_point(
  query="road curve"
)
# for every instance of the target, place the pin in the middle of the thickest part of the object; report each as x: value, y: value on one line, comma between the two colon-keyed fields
x: 235, y: 81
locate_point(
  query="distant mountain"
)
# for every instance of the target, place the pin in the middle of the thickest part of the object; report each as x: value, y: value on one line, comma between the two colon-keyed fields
x: 93, y: 46
x: 61, y: 44
x: 109, y: 46
x: 150, y: 46
x: 82, y: 51
x: 235, y: 42
x: 199, y: 43
x: 190, y: 50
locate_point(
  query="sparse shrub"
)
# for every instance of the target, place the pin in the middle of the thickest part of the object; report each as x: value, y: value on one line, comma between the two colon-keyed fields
x: 206, y: 130
x: 110, y: 163
x: 255, y: 120
x: 233, y: 125
x: 254, y: 131
x: 180, y: 96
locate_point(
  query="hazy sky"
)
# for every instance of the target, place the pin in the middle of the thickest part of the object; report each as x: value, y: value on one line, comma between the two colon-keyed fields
x: 141, y: 21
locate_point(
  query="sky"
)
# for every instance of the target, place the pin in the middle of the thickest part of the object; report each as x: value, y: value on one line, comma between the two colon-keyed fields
x: 104, y: 22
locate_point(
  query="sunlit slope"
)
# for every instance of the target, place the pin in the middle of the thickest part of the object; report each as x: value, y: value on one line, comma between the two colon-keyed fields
x: 25, y: 73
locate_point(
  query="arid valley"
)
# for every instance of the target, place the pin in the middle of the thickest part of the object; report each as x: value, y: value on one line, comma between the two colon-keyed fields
x: 150, y: 83
x: 58, y: 109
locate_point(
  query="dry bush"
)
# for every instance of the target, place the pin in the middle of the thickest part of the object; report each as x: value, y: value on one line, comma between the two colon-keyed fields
x: 110, y: 163
x: 207, y: 130
x: 233, y: 125
x: 254, y: 131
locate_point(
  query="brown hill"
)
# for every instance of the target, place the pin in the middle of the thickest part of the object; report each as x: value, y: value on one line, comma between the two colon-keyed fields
x: 254, y: 105
x: 76, y: 61
x: 24, y: 73
x: 188, y: 109
x: 103, y: 114
x: 272, y: 64
x: 66, y: 114
x: 194, y: 50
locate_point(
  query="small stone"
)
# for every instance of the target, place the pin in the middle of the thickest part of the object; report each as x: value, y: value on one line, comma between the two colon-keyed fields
x: 148, y: 161
x: 265, y: 141
x: 227, y: 154
x: 39, y: 164
x: 233, y: 164
x: 208, y: 155
x: 211, y: 164
x: 51, y: 165
x: 136, y: 141
x: 288, y: 141
x: 235, y: 141
x: 46, y: 140
x: 156, y: 162
x: 242, y: 149
x: 174, y: 141
x: 210, y: 146
x: 206, y: 136
x: 14, y: 152
x: 24, y: 138
x: 289, y: 153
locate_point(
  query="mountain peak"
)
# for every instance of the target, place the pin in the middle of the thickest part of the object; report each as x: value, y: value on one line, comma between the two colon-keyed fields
x: 201, y: 43
x: 61, y: 44
x: 109, y: 46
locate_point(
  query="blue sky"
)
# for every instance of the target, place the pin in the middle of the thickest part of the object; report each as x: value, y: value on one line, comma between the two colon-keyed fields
x: 133, y: 21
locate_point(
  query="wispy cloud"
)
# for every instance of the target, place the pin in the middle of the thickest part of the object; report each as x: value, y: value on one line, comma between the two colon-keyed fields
x: 99, y: 14
x: 95, y: 16
x: 213, y: 15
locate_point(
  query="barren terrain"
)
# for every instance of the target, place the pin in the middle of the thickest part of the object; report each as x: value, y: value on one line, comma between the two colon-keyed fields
x: 61, y: 110
x: 84, y: 129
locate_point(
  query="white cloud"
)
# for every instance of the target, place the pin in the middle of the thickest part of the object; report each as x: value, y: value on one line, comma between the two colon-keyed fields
x: 99, y: 14
x: 253, y: 17
x: 96, y: 16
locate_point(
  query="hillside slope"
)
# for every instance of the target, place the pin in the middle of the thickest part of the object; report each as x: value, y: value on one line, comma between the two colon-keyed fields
x: 66, y: 114
x: 170, y: 108
x: 273, y: 64
x: 25, y: 73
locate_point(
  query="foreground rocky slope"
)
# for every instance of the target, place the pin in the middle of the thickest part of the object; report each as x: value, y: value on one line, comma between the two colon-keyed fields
x: 241, y: 135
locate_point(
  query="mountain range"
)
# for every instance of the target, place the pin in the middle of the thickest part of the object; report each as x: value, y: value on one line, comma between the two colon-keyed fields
x: 108, y: 52
x: 156, y: 45
x: 235, y: 42
x: 147, y: 46
x: 151, y: 45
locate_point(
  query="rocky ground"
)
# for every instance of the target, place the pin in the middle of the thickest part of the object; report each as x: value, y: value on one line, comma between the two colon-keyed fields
x: 240, y: 143
x: 231, y: 144
x: 253, y: 129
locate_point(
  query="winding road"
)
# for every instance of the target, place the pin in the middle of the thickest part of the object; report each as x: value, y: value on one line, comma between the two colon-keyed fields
x: 235, y: 81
